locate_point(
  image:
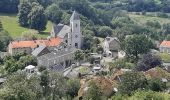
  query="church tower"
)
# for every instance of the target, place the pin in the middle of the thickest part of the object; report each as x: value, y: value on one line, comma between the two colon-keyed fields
x: 75, y: 35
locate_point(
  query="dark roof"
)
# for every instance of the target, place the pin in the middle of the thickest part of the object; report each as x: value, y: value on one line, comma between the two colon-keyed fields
x: 38, y: 50
x: 64, y: 31
x: 57, y: 67
x: 57, y: 53
x: 75, y: 16
x: 57, y: 28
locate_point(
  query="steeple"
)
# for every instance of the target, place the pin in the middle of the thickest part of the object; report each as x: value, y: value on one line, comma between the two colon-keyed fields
x: 75, y: 16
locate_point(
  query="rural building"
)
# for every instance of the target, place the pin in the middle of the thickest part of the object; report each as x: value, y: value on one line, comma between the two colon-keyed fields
x: 111, y: 46
x: 165, y: 47
x: 29, y: 46
x: 57, y: 52
x: 71, y: 34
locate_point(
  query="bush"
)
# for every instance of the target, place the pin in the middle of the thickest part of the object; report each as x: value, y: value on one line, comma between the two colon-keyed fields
x: 149, y: 95
x: 105, y: 31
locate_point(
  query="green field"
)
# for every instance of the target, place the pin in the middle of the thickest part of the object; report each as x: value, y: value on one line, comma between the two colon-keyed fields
x: 10, y: 24
x: 142, y: 19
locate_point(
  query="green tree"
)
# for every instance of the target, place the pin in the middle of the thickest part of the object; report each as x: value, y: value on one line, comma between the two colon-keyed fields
x: 19, y: 87
x: 18, y: 62
x: 5, y: 38
x: 132, y: 81
x: 73, y: 87
x: 156, y: 85
x: 44, y: 82
x: 168, y: 37
x: 93, y: 92
x: 149, y: 61
x: 9, y: 6
x: 105, y: 31
x: 88, y: 42
x: 135, y: 45
x: 24, y: 10
x: 59, y: 86
x: 78, y: 55
x: 54, y: 14
x: 37, y: 18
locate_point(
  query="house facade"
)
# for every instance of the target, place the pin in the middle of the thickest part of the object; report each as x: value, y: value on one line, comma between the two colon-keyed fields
x: 29, y: 46
x: 111, y: 46
x: 62, y: 57
x: 165, y: 47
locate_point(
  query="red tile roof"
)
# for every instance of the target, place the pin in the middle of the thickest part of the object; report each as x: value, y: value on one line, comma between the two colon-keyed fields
x: 35, y: 43
x: 165, y: 44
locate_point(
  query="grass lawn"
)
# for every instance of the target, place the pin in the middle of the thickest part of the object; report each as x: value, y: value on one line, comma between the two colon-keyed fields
x: 142, y: 19
x: 165, y: 57
x: 10, y: 24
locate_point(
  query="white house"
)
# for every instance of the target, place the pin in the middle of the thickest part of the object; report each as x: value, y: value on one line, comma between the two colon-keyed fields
x: 165, y: 47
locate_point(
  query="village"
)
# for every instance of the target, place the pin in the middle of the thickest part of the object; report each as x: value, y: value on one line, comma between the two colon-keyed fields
x: 61, y: 53
x: 84, y: 50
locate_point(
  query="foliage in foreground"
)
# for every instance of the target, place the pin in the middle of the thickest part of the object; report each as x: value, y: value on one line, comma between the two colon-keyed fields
x: 143, y: 95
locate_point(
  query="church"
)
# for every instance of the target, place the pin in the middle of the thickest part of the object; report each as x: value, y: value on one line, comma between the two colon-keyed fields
x: 56, y: 52
x: 71, y: 35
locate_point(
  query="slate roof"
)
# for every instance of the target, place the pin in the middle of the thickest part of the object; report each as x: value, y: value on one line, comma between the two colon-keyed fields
x: 55, y: 54
x: 38, y: 50
x: 75, y: 16
x: 57, y: 67
x: 64, y: 31
x: 110, y: 39
x: 57, y: 28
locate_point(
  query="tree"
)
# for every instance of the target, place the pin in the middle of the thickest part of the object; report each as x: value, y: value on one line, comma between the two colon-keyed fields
x: 166, y: 27
x: 5, y: 38
x: 58, y: 86
x: 44, y: 82
x: 168, y: 37
x: 45, y: 3
x: 135, y: 45
x: 156, y: 85
x: 93, y: 92
x: 18, y: 61
x: 105, y: 31
x: 88, y: 42
x: 19, y: 87
x: 149, y: 61
x: 37, y: 18
x: 78, y: 55
x: 9, y: 6
x: 132, y: 81
x: 73, y: 85
x: 54, y: 14
x: 24, y: 10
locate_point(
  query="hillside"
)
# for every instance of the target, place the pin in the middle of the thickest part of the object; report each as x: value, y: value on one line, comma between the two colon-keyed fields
x: 142, y: 19
x: 10, y: 23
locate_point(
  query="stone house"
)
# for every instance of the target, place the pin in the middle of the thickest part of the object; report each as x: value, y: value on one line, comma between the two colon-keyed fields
x: 58, y: 59
x: 111, y: 46
x: 29, y: 46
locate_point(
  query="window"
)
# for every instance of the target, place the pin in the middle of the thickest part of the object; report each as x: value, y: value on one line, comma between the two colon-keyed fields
x: 76, y: 45
x: 76, y: 25
x: 66, y: 41
x: 76, y: 36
